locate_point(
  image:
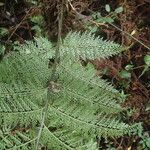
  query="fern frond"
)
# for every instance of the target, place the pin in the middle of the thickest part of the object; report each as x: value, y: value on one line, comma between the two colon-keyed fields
x: 23, y: 85
x: 14, y: 67
x: 40, y: 47
x: 87, y: 46
x: 16, y: 140
x: 80, y: 105
x: 84, y: 120
x: 82, y: 84
x: 66, y: 139
x: 22, y: 80
x: 17, y: 106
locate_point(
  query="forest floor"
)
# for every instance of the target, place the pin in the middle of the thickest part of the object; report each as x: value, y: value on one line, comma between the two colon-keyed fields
x: 128, y: 25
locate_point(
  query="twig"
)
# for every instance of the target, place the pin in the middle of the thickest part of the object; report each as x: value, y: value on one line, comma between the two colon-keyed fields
x: 83, y: 17
x: 18, y: 25
x: 130, y: 36
x: 99, y: 24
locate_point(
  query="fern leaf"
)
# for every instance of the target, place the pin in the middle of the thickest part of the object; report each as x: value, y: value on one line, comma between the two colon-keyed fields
x: 82, y: 84
x: 23, y: 86
x: 16, y: 141
x: 81, y: 105
x: 66, y: 140
x: 87, y: 46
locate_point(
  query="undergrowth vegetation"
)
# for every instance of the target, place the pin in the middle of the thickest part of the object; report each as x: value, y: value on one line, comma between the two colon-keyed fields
x: 74, y: 90
x: 78, y: 104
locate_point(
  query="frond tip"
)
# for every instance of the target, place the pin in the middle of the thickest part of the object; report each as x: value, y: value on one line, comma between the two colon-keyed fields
x: 87, y: 46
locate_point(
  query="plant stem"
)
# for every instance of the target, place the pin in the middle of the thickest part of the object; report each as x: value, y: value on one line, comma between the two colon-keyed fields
x: 54, y: 69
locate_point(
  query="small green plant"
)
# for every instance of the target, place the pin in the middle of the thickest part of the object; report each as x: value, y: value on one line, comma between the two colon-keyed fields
x: 117, y: 10
x: 3, y: 32
x: 39, y: 22
x: 146, y: 65
x: 144, y: 143
x: 98, y: 18
x: 78, y: 104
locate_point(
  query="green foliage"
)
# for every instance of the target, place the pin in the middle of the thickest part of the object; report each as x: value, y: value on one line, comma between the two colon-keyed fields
x: 87, y: 46
x: 147, y: 60
x: 144, y: 137
x: 129, y: 67
x: 2, y: 49
x: 38, y: 25
x: 117, y: 10
x: 145, y: 142
x: 81, y: 105
x: 146, y: 65
x: 3, y: 32
x: 104, y: 20
x: 125, y: 74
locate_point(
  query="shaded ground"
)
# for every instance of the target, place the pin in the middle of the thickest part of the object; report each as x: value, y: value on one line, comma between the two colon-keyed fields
x: 16, y: 18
